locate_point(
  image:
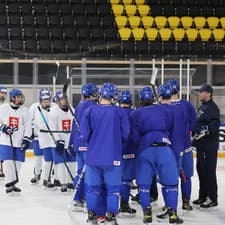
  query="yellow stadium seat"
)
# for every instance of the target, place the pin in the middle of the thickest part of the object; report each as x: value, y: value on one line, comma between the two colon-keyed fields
x: 140, y: 2
x: 165, y: 34
x: 130, y: 10
x: 143, y: 10
x: 134, y: 21
x: 160, y: 21
x: 213, y: 22
x: 205, y: 34
x: 127, y: 2
x: 151, y: 33
x: 117, y: 10
x: 199, y: 22
x: 186, y: 21
x: 121, y: 21
x: 174, y: 21
x: 125, y: 33
x: 218, y: 34
x: 138, y: 33
x: 178, y: 34
x: 222, y: 22
x: 192, y: 34
x: 147, y: 21
x: 113, y: 2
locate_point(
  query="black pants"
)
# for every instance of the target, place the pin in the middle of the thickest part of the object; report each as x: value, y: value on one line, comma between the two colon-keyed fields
x: 206, y: 168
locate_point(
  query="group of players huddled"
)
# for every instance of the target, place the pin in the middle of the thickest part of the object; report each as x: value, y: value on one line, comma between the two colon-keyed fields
x: 112, y: 142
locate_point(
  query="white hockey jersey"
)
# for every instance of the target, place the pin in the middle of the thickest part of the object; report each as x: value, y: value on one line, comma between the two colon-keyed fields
x: 39, y: 124
x: 61, y: 121
x: 19, y: 118
x: 32, y: 110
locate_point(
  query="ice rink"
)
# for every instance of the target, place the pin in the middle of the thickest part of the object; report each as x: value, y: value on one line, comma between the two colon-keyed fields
x: 37, y: 206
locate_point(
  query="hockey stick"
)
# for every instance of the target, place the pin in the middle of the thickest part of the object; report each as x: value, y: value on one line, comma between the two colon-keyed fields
x: 55, y: 131
x: 153, y: 81
x: 54, y: 140
x: 65, y: 88
x: 10, y: 184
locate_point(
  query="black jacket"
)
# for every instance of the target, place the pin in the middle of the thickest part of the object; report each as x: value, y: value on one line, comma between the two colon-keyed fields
x: 208, y: 114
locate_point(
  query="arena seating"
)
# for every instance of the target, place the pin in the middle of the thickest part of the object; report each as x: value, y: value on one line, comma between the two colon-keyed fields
x: 112, y: 28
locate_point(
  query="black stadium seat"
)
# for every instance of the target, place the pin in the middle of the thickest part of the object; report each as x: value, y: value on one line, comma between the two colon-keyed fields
x: 44, y: 46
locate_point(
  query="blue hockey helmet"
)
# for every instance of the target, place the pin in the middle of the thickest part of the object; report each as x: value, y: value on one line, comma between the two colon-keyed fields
x: 125, y: 97
x: 174, y: 84
x: 44, y: 97
x: 108, y: 91
x: 3, y: 89
x: 44, y: 91
x: 165, y: 90
x: 58, y: 95
x: 146, y: 93
x: 89, y: 89
x: 15, y: 92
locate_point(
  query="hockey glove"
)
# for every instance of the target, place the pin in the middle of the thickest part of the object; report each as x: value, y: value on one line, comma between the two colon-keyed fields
x: 60, y: 145
x: 8, y: 130
x: 25, y: 143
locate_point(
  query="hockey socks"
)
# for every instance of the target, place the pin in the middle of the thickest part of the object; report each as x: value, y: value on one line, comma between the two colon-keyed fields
x: 186, y: 188
x: 125, y: 190
x: 144, y: 196
x: 170, y: 195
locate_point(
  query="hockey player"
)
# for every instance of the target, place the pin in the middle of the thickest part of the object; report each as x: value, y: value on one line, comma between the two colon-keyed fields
x: 89, y: 94
x: 104, y: 127
x: 61, y: 119
x: 150, y: 130
x: 129, y: 159
x: 187, y: 162
x: 15, y: 137
x: 38, y: 154
x: 40, y: 122
x: 3, y: 95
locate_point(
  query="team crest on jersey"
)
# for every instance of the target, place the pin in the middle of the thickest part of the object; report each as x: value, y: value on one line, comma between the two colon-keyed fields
x: 14, y: 122
x: 66, y: 125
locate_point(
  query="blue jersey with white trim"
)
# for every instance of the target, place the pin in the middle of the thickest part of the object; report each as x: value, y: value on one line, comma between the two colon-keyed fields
x: 129, y: 147
x: 150, y: 125
x: 78, y: 142
x: 104, y: 128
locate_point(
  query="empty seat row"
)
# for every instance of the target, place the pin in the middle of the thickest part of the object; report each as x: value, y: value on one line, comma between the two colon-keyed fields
x: 54, y: 9
x: 58, y: 33
x: 168, y: 10
x: 167, y: 34
x: 172, y: 22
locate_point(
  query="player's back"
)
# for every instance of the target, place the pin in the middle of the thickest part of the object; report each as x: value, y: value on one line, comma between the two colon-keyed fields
x: 104, y: 127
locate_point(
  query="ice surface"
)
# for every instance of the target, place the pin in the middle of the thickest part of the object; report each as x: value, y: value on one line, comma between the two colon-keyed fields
x: 37, y: 206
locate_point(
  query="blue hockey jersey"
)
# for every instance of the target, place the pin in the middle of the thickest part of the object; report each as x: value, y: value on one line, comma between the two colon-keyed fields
x: 104, y: 128
x: 150, y: 125
x: 129, y: 147
x: 78, y: 142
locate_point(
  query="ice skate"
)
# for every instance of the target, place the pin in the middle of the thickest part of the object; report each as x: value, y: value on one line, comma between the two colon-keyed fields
x: 70, y: 186
x: 56, y: 183
x: 164, y: 214
x: 100, y: 219
x: 48, y: 184
x: 9, y: 190
x: 16, y: 189
x: 110, y: 219
x: 173, y: 217
x: 125, y: 210
x: 186, y: 205
x: 148, y: 215
x: 63, y: 188
x: 77, y: 206
x: 35, y: 179
x: 92, y: 219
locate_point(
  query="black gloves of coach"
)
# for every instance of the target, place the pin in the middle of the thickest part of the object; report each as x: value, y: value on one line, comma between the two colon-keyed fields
x: 60, y: 145
x: 25, y: 143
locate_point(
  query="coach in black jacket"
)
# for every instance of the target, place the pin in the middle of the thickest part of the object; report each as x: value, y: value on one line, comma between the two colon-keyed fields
x: 206, y: 141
